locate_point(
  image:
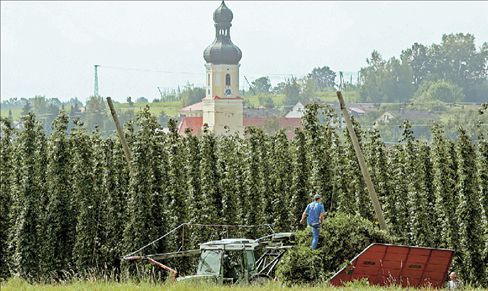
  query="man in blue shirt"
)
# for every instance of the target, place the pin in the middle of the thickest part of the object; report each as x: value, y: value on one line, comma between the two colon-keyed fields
x: 315, y: 216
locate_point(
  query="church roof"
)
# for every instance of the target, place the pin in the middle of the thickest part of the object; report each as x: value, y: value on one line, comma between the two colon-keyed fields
x: 222, y: 50
x: 195, y: 125
x: 193, y: 107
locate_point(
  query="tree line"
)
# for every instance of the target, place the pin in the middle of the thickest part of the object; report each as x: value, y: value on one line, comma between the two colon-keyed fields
x: 71, y: 204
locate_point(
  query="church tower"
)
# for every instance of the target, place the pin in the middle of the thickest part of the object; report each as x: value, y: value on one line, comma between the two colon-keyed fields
x: 222, y: 106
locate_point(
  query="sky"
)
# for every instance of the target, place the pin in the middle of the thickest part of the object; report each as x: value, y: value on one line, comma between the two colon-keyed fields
x: 50, y: 48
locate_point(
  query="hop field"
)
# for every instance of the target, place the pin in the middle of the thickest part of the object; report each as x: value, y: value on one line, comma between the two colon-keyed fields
x: 70, y: 202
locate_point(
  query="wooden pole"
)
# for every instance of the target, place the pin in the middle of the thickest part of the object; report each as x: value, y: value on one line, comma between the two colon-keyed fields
x: 120, y: 132
x: 362, y: 164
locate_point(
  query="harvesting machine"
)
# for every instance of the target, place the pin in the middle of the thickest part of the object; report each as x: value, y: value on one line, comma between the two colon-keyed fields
x: 229, y: 260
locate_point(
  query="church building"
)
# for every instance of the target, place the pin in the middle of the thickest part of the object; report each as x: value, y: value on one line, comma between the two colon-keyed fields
x: 222, y: 108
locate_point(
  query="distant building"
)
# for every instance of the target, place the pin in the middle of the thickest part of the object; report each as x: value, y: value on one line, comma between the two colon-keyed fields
x: 402, y: 114
x: 384, y: 118
x: 297, y: 111
x: 194, y: 110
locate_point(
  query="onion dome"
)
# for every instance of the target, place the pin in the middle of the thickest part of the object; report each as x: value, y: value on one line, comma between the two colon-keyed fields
x: 222, y: 50
x: 222, y: 14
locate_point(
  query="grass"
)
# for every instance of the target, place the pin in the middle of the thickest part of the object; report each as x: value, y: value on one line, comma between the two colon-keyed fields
x: 20, y: 285
x: 170, y: 108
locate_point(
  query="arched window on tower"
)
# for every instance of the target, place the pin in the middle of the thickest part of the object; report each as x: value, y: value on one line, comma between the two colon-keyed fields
x: 227, y: 80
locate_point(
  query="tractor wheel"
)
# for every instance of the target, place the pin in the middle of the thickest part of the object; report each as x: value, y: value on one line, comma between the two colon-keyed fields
x: 260, y: 279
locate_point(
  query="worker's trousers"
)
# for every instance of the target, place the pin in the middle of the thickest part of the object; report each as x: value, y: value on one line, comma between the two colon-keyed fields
x: 315, y: 235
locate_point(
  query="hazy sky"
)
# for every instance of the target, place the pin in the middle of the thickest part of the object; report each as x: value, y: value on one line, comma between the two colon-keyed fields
x: 49, y: 48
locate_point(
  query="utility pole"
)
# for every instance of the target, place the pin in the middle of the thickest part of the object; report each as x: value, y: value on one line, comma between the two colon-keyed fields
x: 341, y: 80
x: 362, y: 164
x: 95, y: 91
x: 250, y: 86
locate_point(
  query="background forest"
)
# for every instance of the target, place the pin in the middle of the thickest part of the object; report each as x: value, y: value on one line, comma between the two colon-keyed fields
x: 70, y: 203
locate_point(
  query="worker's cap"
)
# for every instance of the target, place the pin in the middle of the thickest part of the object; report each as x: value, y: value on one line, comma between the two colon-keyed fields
x: 316, y: 196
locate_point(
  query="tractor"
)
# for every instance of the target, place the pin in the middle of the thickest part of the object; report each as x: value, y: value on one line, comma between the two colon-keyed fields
x: 229, y: 260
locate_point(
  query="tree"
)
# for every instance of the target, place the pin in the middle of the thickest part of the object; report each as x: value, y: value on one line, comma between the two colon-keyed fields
x: 386, y: 81
x: 469, y: 212
x: 191, y: 94
x: 129, y: 100
x: 26, y: 108
x: 95, y: 113
x: 142, y: 100
x: 419, y: 59
x: 262, y: 85
x: 443, y: 91
x: 265, y: 101
x: 457, y: 60
x: 292, y: 91
x: 323, y: 77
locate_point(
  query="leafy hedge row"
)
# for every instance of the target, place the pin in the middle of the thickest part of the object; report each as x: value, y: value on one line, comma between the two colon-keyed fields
x: 69, y: 202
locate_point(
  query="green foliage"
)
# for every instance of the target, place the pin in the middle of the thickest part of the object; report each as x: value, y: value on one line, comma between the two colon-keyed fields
x: 261, y: 85
x: 444, y: 177
x: 469, y: 212
x: 86, y: 194
x: 139, y: 226
x: 291, y: 90
x: 443, y: 91
x: 26, y: 229
x: 454, y: 64
x: 61, y: 208
x: 191, y: 94
x: 73, y: 204
x: 299, y: 186
x: 342, y: 236
x: 7, y: 173
x: 323, y: 77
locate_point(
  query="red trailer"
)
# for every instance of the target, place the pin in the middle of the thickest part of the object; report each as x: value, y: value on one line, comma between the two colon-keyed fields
x: 406, y: 266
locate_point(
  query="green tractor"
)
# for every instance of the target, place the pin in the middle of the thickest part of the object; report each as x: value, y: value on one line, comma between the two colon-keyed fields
x: 231, y: 260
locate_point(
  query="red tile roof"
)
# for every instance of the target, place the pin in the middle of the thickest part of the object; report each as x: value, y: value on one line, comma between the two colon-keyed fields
x: 194, y: 107
x: 193, y: 123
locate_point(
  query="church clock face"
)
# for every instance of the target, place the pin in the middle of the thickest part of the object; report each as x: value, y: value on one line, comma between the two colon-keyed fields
x: 228, y: 92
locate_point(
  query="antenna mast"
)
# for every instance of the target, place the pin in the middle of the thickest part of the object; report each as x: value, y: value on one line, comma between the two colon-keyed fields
x: 95, y: 90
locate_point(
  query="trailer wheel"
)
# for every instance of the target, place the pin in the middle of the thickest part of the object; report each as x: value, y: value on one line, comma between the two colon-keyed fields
x: 260, y: 279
